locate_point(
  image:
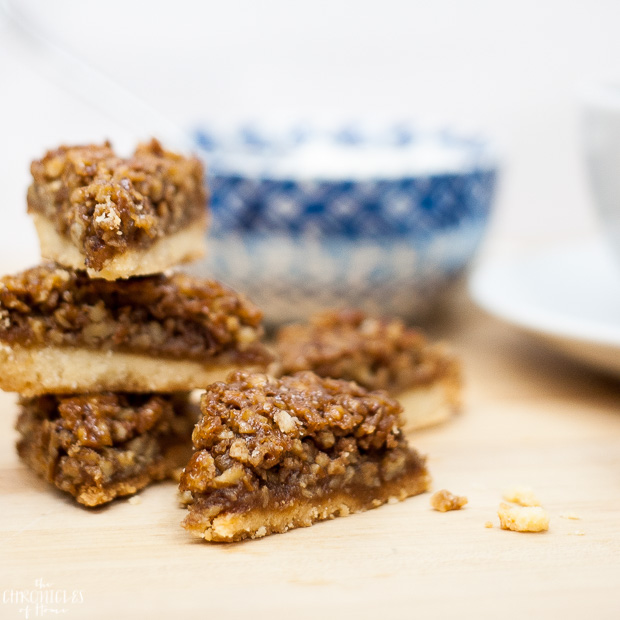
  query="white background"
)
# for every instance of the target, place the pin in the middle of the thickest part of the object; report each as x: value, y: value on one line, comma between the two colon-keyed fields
x: 511, y: 70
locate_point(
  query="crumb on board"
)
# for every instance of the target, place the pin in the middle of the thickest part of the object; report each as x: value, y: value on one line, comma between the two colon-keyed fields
x: 488, y: 524
x: 444, y: 500
x: 134, y: 500
x: 523, y: 518
x: 570, y: 515
x: 522, y: 495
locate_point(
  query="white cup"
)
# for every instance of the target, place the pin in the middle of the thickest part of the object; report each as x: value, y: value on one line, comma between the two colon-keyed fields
x: 601, y: 137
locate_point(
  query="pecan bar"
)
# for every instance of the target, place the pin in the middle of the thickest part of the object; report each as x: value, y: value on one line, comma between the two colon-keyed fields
x: 101, y: 446
x: 63, y: 332
x: 378, y: 353
x: 118, y: 217
x: 275, y: 454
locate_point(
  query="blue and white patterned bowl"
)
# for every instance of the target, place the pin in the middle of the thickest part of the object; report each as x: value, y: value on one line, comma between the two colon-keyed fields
x: 309, y: 220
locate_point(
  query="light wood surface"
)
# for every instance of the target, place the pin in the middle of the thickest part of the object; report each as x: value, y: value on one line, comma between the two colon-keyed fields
x: 531, y: 417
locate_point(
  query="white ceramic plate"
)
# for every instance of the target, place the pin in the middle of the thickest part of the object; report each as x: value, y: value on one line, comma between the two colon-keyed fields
x: 569, y: 295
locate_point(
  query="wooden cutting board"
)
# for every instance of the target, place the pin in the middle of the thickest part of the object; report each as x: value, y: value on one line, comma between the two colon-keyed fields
x: 531, y: 418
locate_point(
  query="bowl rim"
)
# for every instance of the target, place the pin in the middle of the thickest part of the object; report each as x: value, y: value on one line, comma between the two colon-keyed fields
x: 474, y: 152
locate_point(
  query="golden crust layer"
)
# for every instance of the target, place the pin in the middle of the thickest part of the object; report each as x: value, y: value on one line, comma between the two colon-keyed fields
x: 180, y: 247
x: 428, y: 405
x: 34, y: 371
x: 300, y: 512
x: 297, y: 448
x: 104, y: 205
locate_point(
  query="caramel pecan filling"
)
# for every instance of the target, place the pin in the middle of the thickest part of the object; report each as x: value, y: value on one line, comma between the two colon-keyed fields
x: 378, y: 353
x: 264, y: 441
x: 174, y: 316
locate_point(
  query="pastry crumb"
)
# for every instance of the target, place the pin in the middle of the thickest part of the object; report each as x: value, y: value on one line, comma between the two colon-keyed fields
x: 522, y: 495
x: 135, y: 500
x: 488, y: 524
x: 443, y: 501
x: 570, y: 515
x: 523, y: 518
x: 185, y: 498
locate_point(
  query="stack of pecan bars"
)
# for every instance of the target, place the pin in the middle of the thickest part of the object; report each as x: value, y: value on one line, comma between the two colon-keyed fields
x: 105, y: 349
x: 102, y: 347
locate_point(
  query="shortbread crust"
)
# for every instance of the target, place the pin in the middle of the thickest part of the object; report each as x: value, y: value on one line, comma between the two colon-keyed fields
x: 428, y: 405
x: 56, y: 370
x: 183, y: 246
x: 299, y: 512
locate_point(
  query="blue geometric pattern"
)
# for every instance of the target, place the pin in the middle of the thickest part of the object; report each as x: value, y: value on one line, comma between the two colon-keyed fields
x: 366, y: 209
x: 384, y: 245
